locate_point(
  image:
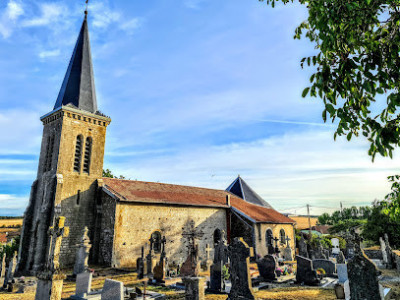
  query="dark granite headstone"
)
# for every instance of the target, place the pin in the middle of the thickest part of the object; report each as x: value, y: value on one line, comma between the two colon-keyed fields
x: 328, y: 266
x: 216, y: 275
x: 349, y: 250
x: 363, y: 278
x: 305, y: 271
x: 239, y: 253
x: 303, y: 247
x: 266, y: 267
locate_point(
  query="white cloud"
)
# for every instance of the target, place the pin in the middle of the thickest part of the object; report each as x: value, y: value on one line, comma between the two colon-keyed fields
x: 102, y: 15
x: 193, y: 4
x: 50, y: 53
x: 131, y: 26
x: 50, y: 13
x: 287, y: 171
x: 13, y: 202
x: 9, y: 18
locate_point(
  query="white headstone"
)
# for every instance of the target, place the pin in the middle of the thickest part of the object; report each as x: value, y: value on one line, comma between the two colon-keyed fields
x: 335, y: 246
x: 383, y: 250
x: 347, y: 290
x: 341, y: 270
x: 83, y: 283
x: 112, y: 290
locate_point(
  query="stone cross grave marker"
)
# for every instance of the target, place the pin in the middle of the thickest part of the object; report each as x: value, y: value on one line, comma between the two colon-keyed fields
x: 191, y: 266
x: 239, y: 253
x: 276, y: 240
x: 363, y: 277
x: 50, y: 281
x: 288, y: 239
x: 82, y: 255
x: 160, y: 268
x: 112, y: 290
x: 206, y: 264
x: 220, y: 258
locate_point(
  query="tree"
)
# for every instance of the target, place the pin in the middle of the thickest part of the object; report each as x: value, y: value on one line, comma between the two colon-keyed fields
x: 108, y: 173
x: 357, y: 64
x: 324, y: 219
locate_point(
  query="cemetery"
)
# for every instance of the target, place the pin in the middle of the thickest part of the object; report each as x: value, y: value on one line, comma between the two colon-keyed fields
x: 89, y: 235
x: 229, y: 272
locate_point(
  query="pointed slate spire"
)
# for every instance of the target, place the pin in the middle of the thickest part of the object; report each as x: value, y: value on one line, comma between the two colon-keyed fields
x: 78, y: 86
x: 240, y: 188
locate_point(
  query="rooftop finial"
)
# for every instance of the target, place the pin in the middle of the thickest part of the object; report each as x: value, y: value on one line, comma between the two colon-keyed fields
x: 86, y: 10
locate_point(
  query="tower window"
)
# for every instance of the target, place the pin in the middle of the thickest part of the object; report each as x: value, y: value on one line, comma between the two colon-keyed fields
x: 78, y: 154
x: 49, y: 153
x: 88, y: 153
x: 78, y: 197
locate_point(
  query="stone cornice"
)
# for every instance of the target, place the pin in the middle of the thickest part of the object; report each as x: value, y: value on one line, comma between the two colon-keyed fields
x: 74, y: 113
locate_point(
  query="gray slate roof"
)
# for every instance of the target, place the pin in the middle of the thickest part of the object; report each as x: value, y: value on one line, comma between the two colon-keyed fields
x: 78, y: 86
x: 240, y: 188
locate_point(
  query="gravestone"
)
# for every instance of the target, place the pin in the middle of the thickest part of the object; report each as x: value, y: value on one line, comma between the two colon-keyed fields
x: 389, y: 254
x: 303, y: 248
x: 160, y: 268
x: 319, y: 253
x: 149, y: 258
x: 349, y: 250
x: 383, y: 250
x: 267, y: 267
x: 340, y: 259
x: 305, y: 271
x: 10, y: 271
x: 194, y: 288
x: 288, y: 254
x: 50, y: 280
x: 239, y: 253
x: 140, y: 265
x: 192, y: 265
x: 112, y: 290
x: 363, y: 276
x: 342, y: 272
x: 328, y: 266
x: 83, y: 284
x: 335, y: 246
x: 82, y: 255
x: 220, y: 258
x: 3, y: 270
x: 206, y: 264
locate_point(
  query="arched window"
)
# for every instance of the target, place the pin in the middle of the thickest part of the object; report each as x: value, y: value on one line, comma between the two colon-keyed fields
x: 282, y: 235
x: 156, y: 238
x: 88, y: 153
x: 78, y: 154
x: 217, y: 236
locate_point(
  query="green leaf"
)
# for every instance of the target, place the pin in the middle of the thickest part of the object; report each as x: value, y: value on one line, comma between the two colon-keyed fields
x: 305, y: 92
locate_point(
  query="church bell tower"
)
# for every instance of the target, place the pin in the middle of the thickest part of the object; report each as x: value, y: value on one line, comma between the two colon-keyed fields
x: 70, y: 163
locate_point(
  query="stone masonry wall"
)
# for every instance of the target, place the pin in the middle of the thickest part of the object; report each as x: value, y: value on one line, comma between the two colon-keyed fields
x: 136, y: 222
x: 260, y: 235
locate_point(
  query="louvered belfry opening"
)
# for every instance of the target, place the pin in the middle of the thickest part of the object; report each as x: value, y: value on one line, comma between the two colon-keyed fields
x: 78, y: 154
x: 49, y: 153
x: 88, y: 153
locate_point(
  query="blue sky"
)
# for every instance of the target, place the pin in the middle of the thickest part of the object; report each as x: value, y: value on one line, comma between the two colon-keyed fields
x: 199, y: 91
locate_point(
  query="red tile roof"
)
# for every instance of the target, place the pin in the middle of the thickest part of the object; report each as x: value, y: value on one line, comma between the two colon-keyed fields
x: 152, y: 192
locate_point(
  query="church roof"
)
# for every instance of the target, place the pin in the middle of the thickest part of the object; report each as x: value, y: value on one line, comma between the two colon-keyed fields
x: 78, y: 86
x: 240, y: 188
x: 161, y: 193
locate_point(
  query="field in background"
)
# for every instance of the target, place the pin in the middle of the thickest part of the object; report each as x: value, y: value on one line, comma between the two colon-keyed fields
x: 10, y: 222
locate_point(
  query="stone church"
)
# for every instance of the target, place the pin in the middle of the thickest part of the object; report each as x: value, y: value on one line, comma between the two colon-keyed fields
x: 123, y: 215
